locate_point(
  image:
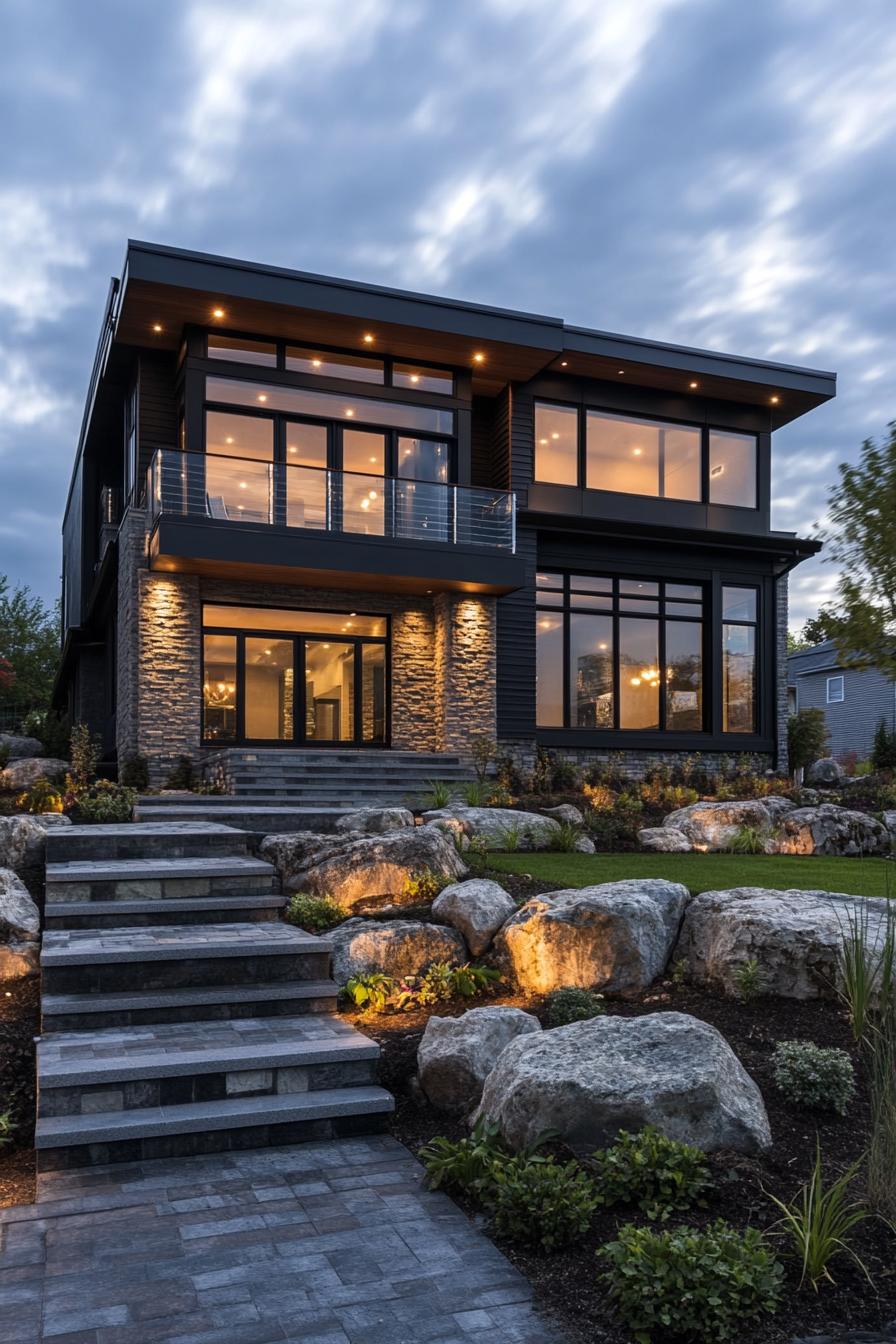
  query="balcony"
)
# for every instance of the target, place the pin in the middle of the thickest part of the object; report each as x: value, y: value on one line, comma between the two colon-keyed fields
x: 293, y: 523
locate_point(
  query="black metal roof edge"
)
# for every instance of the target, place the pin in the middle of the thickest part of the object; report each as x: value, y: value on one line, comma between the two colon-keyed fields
x: 782, y: 543
x: 104, y: 340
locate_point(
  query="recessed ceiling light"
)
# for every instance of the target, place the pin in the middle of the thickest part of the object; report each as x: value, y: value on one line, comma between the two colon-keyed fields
x: 262, y: 396
x: 157, y: 326
x: 692, y: 386
x: 563, y: 363
x: 620, y: 370
x: 775, y: 400
x: 415, y: 377
x: 349, y: 412
x: 217, y: 312
x: 368, y: 339
x: 479, y: 357
x: 315, y: 363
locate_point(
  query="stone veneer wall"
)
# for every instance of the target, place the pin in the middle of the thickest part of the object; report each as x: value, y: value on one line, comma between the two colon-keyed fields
x: 634, y: 764
x: 442, y: 668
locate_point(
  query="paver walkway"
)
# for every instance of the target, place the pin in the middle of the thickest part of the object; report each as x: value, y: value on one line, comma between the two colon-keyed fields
x: 323, y: 1243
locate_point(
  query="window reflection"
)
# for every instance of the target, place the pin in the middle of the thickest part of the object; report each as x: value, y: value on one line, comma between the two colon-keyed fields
x: 556, y: 444
x: 219, y: 688
x: 549, y: 669
x: 239, y: 490
x: 684, y: 676
x: 591, y: 671
x: 642, y: 457
x: 639, y: 673
x: 732, y: 469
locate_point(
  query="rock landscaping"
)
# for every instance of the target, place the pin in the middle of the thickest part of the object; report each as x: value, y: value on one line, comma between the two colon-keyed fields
x: 457, y: 1054
x: 24, y: 771
x: 19, y: 928
x: 376, y: 820
x: 397, y: 947
x: 499, y: 827
x: 477, y: 908
x: 771, y: 826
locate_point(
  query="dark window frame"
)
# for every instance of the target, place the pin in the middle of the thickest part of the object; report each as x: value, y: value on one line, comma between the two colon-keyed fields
x: 756, y: 625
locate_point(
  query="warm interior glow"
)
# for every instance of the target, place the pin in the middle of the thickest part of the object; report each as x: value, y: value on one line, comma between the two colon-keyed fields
x: 217, y: 312
x: 157, y: 326
x: 368, y: 339
x: 775, y: 400
x: 692, y: 386
x: 479, y: 358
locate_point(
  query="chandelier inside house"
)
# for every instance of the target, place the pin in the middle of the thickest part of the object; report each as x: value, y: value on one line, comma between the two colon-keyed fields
x: 219, y: 694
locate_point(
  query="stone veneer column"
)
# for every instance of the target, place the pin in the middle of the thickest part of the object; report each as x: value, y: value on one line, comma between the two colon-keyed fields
x: 465, y: 661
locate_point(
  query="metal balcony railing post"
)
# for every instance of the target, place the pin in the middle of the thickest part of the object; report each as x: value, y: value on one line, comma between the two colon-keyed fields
x: 513, y: 524
x: 328, y: 505
x: 454, y: 514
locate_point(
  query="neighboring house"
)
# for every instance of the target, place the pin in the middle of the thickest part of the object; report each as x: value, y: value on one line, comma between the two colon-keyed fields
x: 311, y: 512
x: 854, y: 699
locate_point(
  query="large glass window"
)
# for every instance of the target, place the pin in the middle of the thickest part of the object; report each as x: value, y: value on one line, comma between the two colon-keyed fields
x: 732, y: 469
x: 219, y: 688
x: 269, y: 689
x: 633, y: 650
x: 422, y: 379
x: 556, y: 444
x: 242, y: 351
x: 238, y: 473
x: 329, y: 405
x: 356, y: 367
x: 642, y: 457
x: 739, y: 627
x: 283, y: 619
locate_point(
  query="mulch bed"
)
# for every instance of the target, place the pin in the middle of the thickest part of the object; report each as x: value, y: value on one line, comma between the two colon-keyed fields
x: 565, y: 1283
x: 19, y: 1024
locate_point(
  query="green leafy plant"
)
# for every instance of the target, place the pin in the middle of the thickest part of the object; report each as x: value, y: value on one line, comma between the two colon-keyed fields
x: 422, y: 888
x: 183, y: 775
x: 703, y: 1285
x: 443, y: 981
x: 563, y: 1006
x: 466, y: 1166
x: 880, y: 1171
x: 133, y: 773
x: 656, y: 1174
x: 475, y: 792
x: 883, y: 750
x: 817, y: 1223
x: 105, y: 803
x: 807, y: 735
x: 542, y: 1202
x: 7, y: 1128
x: 811, y: 1075
x: 439, y: 793
x: 469, y: 981
x: 511, y: 837
x: 747, y: 980
x: 86, y: 749
x: 563, y: 840
x: 866, y: 972
x: 371, y: 991
x: 41, y: 797
x: 678, y: 973
x: 748, y: 840
x: 316, y: 914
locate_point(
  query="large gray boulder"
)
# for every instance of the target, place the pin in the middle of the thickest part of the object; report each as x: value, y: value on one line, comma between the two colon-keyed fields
x: 500, y: 827
x: 828, y: 829
x: 794, y: 936
x: 23, y: 839
x: 19, y: 928
x: 21, y: 774
x: 616, y: 936
x: 591, y: 1079
x: 715, y: 826
x: 353, y: 868
x: 376, y: 820
x: 396, y: 947
x: 565, y: 813
x: 457, y: 1054
x: 888, y: 820
x: 476, y: 908
x: 826, y: 773
x: 664, y: 840
x: 16, y: 747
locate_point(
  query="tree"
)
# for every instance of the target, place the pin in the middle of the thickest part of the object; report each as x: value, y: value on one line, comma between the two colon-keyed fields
x: 29, y: 647
x: 815, y: 630
x: 862, y: 540
x: 807, y: 736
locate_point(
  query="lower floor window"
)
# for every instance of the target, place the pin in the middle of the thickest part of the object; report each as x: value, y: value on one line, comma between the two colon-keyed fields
x: 293, y: 676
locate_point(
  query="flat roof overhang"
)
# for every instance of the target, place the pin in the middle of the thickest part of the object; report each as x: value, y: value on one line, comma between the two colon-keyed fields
x: 174, y: 288
x: 218, y: 549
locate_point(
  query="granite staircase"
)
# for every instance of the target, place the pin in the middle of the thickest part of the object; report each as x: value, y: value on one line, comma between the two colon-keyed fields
x: 179, y: 1014
x: 276, y: 789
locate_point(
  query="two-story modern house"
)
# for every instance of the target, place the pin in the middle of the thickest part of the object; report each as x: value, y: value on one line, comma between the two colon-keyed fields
x: 307, y: 512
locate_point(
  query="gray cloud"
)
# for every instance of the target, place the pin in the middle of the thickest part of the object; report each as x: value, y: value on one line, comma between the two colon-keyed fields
x: 692, y: 170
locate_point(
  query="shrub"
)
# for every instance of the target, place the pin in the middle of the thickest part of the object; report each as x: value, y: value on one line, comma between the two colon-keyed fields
x: 544, y: 1203
x: 601, y: 797
x: 314, y: 913
x: 443, y: 981
x: 701, y: 1284
x: 133, y: 773
x: 483, y: 751
x: 105, y: 802
x: 656, y: 1174
x: 612, y: 833
x: 810, y: 1075
x: 475, y: 792
x: 564, y: 839
x: 747, y: 980
x: 508, y: 775
x: 818, y: 1222
x: 41, y: 797
x: 422, y: 888
x: 466, y: 1166
x: 883, y: 750
x: 86, y: 749
x: 438, y: 792
x: 53, y: 730
x: 7, y: 1128
x: 807, y: 734
x: 371, y: 991
x: 553, y: 774
x: 572, y: 1005
x: 748, y: 840
x: 183, y: 776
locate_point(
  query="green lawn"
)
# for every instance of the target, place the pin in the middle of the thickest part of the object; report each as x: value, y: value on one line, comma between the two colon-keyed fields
x: 710, y: 872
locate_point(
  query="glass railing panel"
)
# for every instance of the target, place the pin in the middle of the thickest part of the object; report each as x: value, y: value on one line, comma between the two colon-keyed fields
x: 422, y: 510
x: 358, y: 503
x: 301, y: 497
x: 238, y: 490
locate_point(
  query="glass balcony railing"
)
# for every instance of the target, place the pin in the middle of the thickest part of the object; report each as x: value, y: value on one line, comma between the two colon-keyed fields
x: 278, y: 494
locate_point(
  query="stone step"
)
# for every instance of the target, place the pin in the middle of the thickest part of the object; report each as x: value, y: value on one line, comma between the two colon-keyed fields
x: 260, y: 821
x: 158, y: 878
x: 98, y: 961
x: 84, y: 1012
x: 173, y: 1064
x: 237, y: 756
x: 165, y: 838
x: 211, y: 1126
x: 134, y: 914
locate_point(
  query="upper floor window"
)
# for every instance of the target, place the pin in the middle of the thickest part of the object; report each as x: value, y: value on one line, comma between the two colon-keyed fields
x: 633, y: 455
x: 422, y: 379
x: 329, y: 405
x: 244, y: 351
x: 320, y: 362
x: 836, y: 691
x: 355, y: 367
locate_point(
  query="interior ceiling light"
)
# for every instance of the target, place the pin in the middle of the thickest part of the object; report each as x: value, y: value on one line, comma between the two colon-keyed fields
x: 368, y: 338
x: 217, y: 312
x: 563, y: 363
x: 349, y: 412
x: 775, y: 400
x: 620, y: 371
x: 315, y: 363
x: 157, y: 326
x: 479, y: 357
x: 415, y: 377
x: 692, y: 386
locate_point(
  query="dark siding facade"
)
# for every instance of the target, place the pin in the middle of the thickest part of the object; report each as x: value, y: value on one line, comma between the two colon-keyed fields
x: 157, y: 410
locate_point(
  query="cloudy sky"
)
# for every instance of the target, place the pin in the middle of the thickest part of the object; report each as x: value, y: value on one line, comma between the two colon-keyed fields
x: 702, y: 171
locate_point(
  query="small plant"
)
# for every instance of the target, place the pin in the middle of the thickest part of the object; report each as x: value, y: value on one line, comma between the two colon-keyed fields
x: 817, y: 1223
x: 439, y: 793
x: 469, y: 981
x: 371, y: 991
x: 7, y: 1128
x: 443, y: 981
x: 483, y: 750
x: 422, y: 888
x: 679, y: 973
x: 656, y: 1174
x: 511, y: 837
x: 475, y: 792
x: 807, y: 735
x: 466, y: 1166
x: 572, y: 1005
x: 747, y: 980
x: 600, y: 796
x: 105, y: 803
x: 810, y: 1075
x: 883, y: 751
x: 866, y: 972
x: 41, y: 797
x: 748, y: 840
x: 700, y: 1284
x: 133, y: 773
x: 316, y: 914
x: 86, y: 749
x: 183, y: 776
x: 564, y: 839
x: 542, y: 1202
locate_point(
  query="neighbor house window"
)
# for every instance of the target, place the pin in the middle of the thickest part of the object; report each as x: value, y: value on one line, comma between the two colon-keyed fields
x: 732, y: 469
x: 556, y: 444
x: 836, y: 690
x: 642, y: 457
x: 739, y: 628
x: 618, y: 653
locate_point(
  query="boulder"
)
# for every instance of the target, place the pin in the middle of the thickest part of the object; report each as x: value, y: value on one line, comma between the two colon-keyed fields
x: 23, y: 839
x: 828, y: 829
x: 476, y: 908
x: 888, y: 820
x: 353, y: 868
x: 376, y: 820
x: 16, y: 747
x: 777, y: 806
x: 826, y: 773
x: 565, y: 813
x: 584, y: 845
x: 714, y: 826
x: 664, y: 840
x: 617, y: 936
x: 22, y: 773
x: 19, y: 928
x: 396, y: 947
x: 457, y: 1054
x: 794, y: 936
x: 500, y: 827
x: 588, y: 1080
